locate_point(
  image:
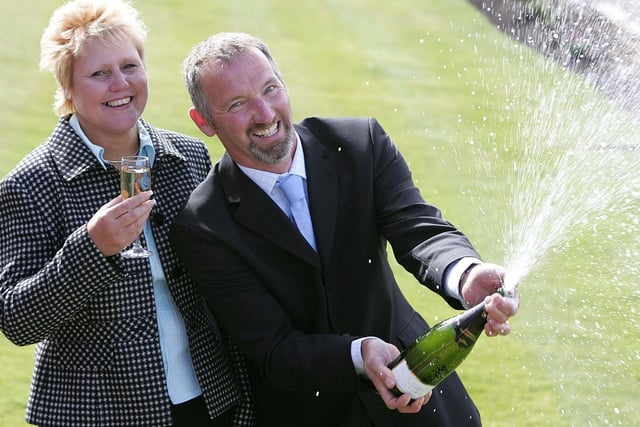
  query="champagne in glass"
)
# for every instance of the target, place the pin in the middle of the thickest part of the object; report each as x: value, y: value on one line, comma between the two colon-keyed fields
x: 135, y: 177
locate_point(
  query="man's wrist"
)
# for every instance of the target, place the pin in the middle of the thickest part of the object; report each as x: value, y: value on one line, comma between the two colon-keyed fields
x: 455, y: 275
x: 356, y: 355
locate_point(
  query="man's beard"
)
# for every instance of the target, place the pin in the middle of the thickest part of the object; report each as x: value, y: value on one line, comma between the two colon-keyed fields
x: 275, y: 153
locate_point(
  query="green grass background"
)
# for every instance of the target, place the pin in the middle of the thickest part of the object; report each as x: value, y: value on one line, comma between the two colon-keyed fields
x: 438, y: 76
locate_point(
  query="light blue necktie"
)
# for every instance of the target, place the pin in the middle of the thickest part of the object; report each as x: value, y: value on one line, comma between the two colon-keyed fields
x: 293, y: 188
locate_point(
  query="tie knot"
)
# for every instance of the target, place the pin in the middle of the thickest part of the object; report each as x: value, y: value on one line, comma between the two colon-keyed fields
x: 293, y: 188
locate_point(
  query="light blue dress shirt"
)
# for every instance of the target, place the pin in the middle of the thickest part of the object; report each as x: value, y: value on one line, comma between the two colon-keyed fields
x: 182, y: 383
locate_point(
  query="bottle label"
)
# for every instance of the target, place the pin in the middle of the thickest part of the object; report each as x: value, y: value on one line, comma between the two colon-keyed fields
x: 465, y: 337
x: 408, y: 382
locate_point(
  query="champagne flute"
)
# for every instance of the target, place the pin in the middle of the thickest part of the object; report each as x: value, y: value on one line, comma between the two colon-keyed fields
x: 135, y: 177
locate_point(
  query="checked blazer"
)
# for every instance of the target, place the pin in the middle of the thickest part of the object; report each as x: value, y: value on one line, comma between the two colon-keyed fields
x: 98, y: 360
x: 301, y: 310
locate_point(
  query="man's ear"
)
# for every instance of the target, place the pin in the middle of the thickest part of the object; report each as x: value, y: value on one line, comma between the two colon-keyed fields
x: 201, y: 122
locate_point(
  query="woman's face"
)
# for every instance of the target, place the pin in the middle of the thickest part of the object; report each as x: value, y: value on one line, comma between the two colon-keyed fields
x: 109, y: 90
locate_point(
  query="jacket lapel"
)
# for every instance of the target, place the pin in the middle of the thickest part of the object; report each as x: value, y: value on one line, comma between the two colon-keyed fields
x: 73, y: 158
x: 255, y: 210
x: 322, y: 183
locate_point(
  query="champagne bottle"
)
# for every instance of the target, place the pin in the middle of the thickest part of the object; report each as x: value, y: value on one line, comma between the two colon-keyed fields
x: 434, y: 355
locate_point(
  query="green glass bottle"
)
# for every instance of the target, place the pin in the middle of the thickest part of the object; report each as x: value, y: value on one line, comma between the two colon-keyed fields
x: 437, y: 353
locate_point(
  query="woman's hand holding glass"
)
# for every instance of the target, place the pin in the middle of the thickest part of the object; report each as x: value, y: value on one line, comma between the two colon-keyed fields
x: 119, y: 222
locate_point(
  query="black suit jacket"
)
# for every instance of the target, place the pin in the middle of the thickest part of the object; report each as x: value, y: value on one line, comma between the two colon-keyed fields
x: 295, y: 312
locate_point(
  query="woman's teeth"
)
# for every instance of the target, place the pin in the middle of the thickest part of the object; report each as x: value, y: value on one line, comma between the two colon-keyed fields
x: 118, y: 102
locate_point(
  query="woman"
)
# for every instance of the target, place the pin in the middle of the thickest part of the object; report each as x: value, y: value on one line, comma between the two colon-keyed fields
x: 119, y: 341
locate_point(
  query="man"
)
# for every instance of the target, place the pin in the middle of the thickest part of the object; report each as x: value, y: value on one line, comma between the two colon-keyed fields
x: 317, y: 311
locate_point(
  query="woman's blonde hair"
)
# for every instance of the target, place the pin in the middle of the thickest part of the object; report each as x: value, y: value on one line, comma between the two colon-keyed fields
x: 75, y: 23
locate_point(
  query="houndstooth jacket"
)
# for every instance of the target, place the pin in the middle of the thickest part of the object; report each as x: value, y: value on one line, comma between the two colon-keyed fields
x: 98, y: 359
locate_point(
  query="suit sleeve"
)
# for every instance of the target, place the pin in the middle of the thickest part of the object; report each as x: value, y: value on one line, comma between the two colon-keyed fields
x: 423, y: 242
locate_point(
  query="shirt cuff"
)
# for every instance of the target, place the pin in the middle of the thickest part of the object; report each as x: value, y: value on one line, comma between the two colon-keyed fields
x: 356, y: 355
x: 454, y: 274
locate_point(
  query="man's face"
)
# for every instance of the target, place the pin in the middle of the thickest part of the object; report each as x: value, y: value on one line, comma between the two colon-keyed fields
x: 251, y: 111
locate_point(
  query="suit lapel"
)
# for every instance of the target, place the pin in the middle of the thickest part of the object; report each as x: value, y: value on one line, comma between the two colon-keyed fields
x: 255, y: 210
x: 322, y: 183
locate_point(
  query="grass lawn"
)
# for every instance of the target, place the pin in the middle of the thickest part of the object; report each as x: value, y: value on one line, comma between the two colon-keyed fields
x: 451, y: 92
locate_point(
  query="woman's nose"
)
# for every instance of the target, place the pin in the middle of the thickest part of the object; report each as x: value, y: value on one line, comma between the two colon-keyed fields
x: 118, y: 80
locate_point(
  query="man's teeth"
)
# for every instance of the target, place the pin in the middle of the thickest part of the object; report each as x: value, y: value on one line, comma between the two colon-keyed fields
x: 268, y: 132
x: 118, y: 102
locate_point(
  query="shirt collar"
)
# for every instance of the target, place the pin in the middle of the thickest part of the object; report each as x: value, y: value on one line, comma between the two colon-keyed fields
x: 146, y: 146
x: 268, y: 180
